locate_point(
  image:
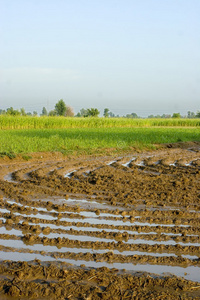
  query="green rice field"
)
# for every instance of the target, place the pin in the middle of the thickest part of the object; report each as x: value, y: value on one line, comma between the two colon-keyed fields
x: 91, y: 135
x: 20, y: 122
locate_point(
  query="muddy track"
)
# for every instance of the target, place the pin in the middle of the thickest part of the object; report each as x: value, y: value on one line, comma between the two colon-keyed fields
x: 92, y: 218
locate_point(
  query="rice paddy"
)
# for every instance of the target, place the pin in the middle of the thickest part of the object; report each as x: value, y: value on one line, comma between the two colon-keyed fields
x: 91, y: 135
x: 29, y: 122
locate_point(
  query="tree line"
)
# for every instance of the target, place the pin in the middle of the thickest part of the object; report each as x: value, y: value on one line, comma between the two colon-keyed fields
x: 61, y: 109
x: 190, y: 115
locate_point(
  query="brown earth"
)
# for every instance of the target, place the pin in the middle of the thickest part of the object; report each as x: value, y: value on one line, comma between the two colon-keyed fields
x: 101, y: 227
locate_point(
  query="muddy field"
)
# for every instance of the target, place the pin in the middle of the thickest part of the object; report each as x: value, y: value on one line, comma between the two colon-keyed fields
x: 101, y: 227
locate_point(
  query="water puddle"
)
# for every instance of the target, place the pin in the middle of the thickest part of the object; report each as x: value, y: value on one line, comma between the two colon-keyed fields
x: 4, y: 210
x: 82, y: 201
x: 157, y: 162
x: 36, y: 215
x: 18, y: 245
x: 173, y: 164
x: 10, y: 231
x: 141, y: 164
x: 17, y: 256
x: 192, y: 163
x: 192, y: 257
x: 98, y: 221
x: 41, y: 209
x: 9, y: 178
x: 150, y: 242
x: 189, y: 273
x: 111, y: 162
x: 90, y: 203
x: 69, y: 174
x: 7, y: 230
x: 128, y: 163
x: 13, y: 202
x: 94, y: 229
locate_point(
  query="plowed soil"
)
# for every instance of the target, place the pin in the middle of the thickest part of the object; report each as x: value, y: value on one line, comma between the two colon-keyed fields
x: 101, y: 227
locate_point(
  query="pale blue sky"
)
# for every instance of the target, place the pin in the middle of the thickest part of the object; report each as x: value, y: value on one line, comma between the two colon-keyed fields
x: 138, y: 56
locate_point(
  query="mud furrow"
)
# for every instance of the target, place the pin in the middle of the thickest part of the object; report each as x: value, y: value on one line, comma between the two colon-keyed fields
x: 139, y: 212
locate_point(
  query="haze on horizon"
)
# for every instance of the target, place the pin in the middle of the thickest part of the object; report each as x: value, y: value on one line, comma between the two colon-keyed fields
x: 130, y: 56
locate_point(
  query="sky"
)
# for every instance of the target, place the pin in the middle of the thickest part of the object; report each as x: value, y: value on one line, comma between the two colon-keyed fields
x: 139, y: 56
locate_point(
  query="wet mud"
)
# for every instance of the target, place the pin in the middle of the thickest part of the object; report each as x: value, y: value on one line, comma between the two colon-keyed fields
x: 101, y: 227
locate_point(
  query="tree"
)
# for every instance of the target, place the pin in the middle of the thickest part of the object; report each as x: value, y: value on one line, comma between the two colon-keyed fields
x: 166, y: 116
x: 176, y: 115
x: 2, y: 112
x: 198, y: 114
x: 44, y: 112
x: 82, y: 113
x: 191, y: 115
x: 106, y: 112
x: 22, y: 110
x: 111, y: 114
x: 132, y: 116
x: 69, y: 111
x: 34, y: 113
x: 89, y: 112
x: 13, y: 112
x: 93, y: 112
x: 60, y: 108
x: 52, y: 113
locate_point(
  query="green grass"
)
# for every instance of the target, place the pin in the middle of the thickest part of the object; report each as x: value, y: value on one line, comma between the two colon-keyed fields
x: 20, y: 122
x: 92, y: 140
